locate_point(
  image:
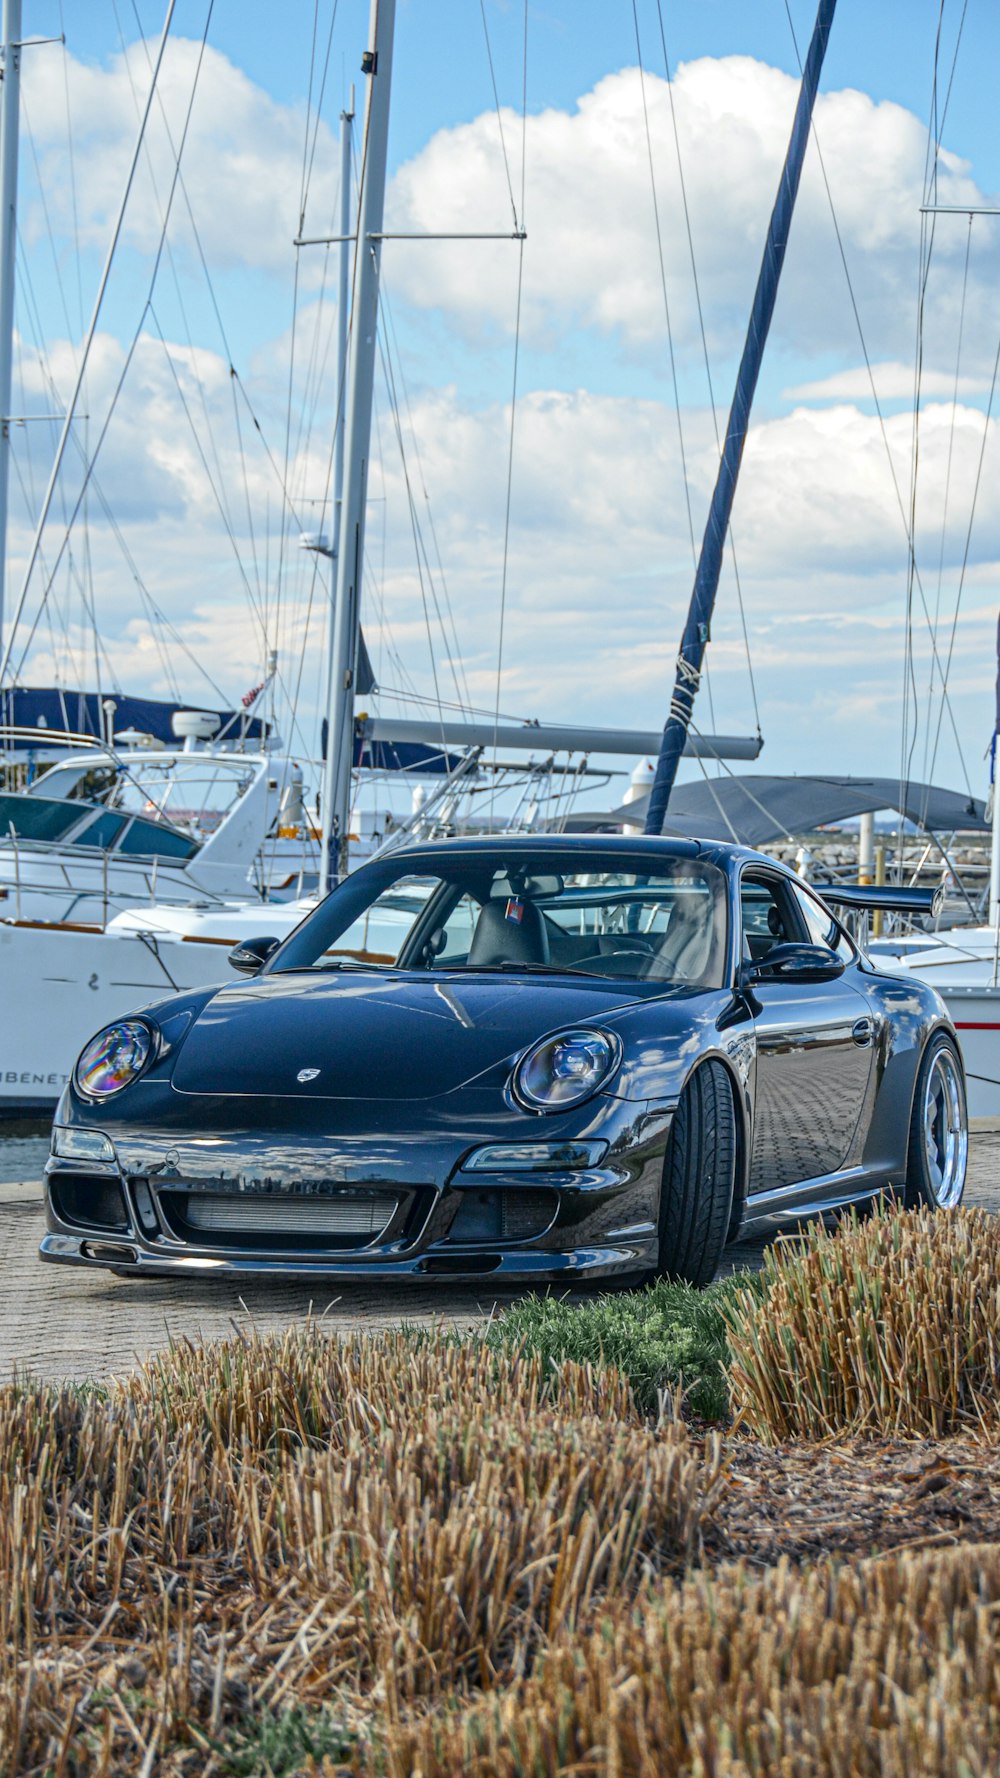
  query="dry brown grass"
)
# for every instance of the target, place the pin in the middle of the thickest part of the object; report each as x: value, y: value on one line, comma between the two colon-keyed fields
x: 268, y: 1522
x: 486, y: 1568
x: 886, y: 1670
x: 887, y: 1326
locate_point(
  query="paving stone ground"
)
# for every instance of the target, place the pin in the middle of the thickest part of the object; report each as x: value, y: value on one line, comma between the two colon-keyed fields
x: 58, y: 1322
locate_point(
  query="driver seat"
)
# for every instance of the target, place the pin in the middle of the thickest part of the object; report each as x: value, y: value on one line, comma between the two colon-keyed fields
x: 501, y: 938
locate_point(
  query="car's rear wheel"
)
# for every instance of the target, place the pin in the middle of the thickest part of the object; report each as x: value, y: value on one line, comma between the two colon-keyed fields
x: 699, y: 1175
x: 939, y: 1130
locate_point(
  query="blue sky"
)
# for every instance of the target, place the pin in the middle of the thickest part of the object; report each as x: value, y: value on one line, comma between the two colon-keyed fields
x: 600, y: 557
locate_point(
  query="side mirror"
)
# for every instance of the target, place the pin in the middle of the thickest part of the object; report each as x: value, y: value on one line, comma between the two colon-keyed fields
x: 250, y: 956
x: 793, y: 963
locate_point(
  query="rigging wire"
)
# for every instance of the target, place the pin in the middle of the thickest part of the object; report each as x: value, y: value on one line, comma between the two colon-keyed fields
x: 928, y: 228
x: 309, y: 148
x: 931, y: 163
x: 217, y: 482
x: 666, y: 307
x: 128, y: 357
x: 496, y: 102
x: 929, y: 767
x: 513, y: 412
x: 705, y: 354
x: 450, y: 642
x: 156, y: 615
x: 169, y: 254
x: 394, y: 410
x: 663, y: 286
x: 917, y: 579
x: 968, y: 534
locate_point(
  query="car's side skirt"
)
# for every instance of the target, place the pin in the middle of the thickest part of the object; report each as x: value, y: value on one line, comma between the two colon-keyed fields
x: 812, y: 1197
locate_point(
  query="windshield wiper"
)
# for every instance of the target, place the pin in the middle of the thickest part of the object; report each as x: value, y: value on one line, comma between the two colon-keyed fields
x: 511, y: 966
x: 340, y: 963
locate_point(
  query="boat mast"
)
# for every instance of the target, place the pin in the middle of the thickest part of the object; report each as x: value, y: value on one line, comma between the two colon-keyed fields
x: 706, y: 580
x: 377, y: 65
x: 995, y: 825
x: 994, y: 914
x: 328, y: 865
x: 9, y: 115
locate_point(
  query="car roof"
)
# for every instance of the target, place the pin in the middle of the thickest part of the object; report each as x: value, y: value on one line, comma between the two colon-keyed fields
x: 657, y: 845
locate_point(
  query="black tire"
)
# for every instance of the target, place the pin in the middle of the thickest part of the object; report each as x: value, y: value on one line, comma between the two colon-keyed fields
x: 935, y: 1167
x: 699, y: 1176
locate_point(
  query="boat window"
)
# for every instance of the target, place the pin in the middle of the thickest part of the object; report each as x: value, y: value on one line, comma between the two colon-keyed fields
x: 192, y: 792
x: 87, y: 784
x: 38, y: 818
x: 150, y: 839
x: 102, y: 832
x: 592, y: 912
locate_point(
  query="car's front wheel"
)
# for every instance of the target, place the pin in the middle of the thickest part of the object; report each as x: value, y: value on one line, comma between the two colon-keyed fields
x: 699, y: 1175
x: 939, y: 1130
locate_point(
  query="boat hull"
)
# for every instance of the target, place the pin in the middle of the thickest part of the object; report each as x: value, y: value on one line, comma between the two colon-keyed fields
x: 63, y: 983
x: 975, y: 1014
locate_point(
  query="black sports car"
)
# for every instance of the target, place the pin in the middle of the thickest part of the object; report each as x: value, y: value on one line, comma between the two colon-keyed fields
x: 527, y: 1058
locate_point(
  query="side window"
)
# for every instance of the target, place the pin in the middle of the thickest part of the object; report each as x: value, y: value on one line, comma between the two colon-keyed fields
x: 821, y: 926
x: 765, y: 916
x: 102, y: 831
x: 149, y: 839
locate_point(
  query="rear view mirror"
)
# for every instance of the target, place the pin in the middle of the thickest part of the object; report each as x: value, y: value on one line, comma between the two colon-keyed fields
x: 251, y: 954
x: 793, y: 963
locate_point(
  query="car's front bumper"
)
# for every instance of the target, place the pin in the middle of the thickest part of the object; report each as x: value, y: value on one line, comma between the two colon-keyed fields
x: 440, y: 1222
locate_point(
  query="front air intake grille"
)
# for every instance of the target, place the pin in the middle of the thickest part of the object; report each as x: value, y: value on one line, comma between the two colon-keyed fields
x: 349, y: 1219
x: 519, y: 1215
x: 91, y: 1201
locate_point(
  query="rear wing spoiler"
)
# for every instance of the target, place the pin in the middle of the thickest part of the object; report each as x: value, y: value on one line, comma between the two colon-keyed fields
x: 888, y: 898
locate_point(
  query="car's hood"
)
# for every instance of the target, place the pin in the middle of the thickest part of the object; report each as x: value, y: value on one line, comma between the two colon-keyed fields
x: 376, y: 1037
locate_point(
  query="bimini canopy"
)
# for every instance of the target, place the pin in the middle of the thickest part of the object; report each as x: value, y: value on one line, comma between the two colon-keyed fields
x: 756, y: 810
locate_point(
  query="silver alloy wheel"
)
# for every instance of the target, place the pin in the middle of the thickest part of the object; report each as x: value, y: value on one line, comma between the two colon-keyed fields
x: 946, y: 1134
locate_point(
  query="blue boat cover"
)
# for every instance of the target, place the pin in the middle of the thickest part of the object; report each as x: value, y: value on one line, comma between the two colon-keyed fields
x: 81, y: 713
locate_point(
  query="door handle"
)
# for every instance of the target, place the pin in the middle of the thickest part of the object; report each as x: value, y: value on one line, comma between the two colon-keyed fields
x: 862, y: 1031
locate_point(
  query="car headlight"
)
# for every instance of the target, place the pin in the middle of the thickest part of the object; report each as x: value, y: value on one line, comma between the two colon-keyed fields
x: 564, y: 1070
x: 114, y: 1058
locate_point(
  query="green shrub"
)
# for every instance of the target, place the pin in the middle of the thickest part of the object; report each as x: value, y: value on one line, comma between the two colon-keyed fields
x: 661, y: 1338
x: 290, y: 1742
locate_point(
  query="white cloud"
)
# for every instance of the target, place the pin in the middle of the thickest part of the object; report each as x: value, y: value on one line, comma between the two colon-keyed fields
x: 591, y: 257
x: 242, y: 159
x: 893, y: 382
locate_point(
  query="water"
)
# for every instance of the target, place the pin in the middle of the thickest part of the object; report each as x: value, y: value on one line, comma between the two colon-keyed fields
x: 24, y: 1149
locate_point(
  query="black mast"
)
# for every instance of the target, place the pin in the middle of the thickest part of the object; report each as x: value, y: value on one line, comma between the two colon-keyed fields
x: 706, y: 580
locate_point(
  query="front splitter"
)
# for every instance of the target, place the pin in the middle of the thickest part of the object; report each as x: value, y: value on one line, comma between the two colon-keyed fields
x: 444, y: 1266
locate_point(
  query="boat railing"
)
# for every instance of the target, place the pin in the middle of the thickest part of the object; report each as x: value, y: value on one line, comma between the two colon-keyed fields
x: 45, y: 738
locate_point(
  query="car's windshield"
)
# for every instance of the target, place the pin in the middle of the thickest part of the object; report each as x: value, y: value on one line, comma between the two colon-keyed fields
x: 589, y: 912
